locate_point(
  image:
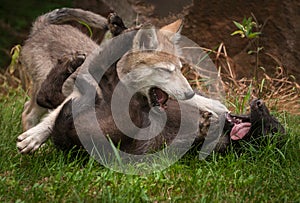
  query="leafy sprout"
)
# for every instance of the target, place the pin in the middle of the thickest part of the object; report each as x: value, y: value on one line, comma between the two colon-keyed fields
x: 245, y: 29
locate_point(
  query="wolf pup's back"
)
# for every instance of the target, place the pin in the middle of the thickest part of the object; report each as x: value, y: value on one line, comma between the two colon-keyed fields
x: 50, y: 39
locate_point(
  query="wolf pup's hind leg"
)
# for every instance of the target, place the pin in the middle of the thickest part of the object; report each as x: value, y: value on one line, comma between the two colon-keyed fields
x: 32, y: 112
x: 33, y: 138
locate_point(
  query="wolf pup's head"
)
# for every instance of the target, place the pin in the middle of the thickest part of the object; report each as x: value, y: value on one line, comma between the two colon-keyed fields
x: 153, y: 68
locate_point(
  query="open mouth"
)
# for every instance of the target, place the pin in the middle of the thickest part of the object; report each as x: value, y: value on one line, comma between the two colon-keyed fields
x: 158, y: 98
x: 241, y: 126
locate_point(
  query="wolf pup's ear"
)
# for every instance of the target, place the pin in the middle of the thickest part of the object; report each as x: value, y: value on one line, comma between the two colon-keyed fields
x: 145, y: 39
x: 174, y: 27
x: 172, y: 31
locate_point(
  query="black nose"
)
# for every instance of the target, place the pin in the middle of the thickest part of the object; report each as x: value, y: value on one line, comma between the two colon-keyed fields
x: 259, y: 103
x: 189, y: 95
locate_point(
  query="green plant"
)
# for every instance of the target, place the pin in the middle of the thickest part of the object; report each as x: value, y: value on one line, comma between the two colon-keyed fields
x: 241, y: 103
x: 245, y: 29
x: 251, y: 30
x: 88, y: 27
x: 15, y: 53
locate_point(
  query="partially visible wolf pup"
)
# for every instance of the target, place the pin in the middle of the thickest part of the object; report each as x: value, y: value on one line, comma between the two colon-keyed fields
x: 64, y: 134
x: 50, y: 95
x: 48, y: 41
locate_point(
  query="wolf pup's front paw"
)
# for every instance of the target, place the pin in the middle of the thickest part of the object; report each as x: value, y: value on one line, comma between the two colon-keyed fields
x: 31, y: 140
x: 75, y: 61
x: 204, y: 123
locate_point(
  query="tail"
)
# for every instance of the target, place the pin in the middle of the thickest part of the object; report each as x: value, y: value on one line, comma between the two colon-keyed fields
x: 59, y: 16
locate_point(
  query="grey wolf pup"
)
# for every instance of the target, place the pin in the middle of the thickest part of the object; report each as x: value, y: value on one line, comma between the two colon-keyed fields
x: 157, y: 70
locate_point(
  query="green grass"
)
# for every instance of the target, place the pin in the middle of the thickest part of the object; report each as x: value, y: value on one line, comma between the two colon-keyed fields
x: 267, y: 174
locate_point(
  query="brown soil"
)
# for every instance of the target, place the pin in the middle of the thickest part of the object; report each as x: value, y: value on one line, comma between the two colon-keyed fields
x: 209, y: 23
x: 281, y: 26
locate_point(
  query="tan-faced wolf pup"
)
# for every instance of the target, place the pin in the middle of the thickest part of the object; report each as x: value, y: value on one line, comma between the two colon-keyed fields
x: 150, y: 64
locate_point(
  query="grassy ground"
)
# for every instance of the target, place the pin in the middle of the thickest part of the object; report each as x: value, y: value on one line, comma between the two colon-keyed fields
x: 268, y: 174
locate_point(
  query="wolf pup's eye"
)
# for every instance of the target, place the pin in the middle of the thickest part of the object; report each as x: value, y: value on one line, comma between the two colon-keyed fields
x: 165, y: 69
x: 166, y: 66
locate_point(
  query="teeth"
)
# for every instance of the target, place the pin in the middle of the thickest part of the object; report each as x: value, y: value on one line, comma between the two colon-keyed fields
x: 155, y: 104
x: 154, y: 97
x: 155, y: 100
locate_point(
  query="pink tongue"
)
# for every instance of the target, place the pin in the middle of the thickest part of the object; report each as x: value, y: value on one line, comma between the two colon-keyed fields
x: 239, y: 130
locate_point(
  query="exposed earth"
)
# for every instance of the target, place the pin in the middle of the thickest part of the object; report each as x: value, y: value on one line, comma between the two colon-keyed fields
x: 209, y: 23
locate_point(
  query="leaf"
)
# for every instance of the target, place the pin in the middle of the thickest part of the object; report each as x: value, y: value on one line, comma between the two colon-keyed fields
x: 262, y: 68
x: 116, y: 152
x: 88, y: 27
x: 293, y: 77
x: 250, y: 52
x: 245, y: 20
x: 238, y: 25
x: 238, y: 32
x: 259, y: 49
x: 15, y: 53
x: 253, y: 35
x: 247, y: 98
x: 262, y: 85
x: 249, y: 20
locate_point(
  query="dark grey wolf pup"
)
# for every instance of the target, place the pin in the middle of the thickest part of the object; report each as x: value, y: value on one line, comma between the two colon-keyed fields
x: 238, y: 128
